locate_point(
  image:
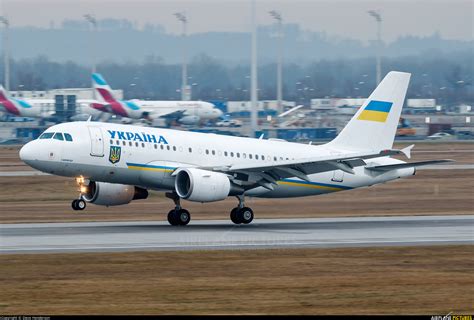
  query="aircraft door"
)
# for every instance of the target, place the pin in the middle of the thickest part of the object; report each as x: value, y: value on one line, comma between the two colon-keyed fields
x: 97, y: 142
x: 338, y: 176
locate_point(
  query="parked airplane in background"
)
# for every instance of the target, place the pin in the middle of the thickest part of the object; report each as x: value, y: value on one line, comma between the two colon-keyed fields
x: 186, y: 112
x: 42, y: 108
x: 115, y: 164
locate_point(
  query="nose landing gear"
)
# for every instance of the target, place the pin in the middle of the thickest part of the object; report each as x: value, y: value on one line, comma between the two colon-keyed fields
x: 80, y: 204
x: 241, y: 214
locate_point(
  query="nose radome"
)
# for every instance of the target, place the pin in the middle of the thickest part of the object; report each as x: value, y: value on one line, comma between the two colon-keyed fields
x: 26, y: 152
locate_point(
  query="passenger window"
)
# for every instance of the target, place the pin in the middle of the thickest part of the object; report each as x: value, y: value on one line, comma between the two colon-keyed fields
x: 274, y: 158
x: 168, y: 148
x: 143, y: 145
x: 68, y: 137
x: 263, y: 157
x: 213, y: 152
x: 250, y: 156
x: 156, y: 146
x: 231, y: 154
x: 124, y: 143
x: 238, y: 155
x: 225, y: 153
x: 47, y: 135
x: 244, y: 155
x: 136, y: 144
x: 118, y: 142
x: 256, y: 156
x: 58, y: 136
x: 162, y: 147
x: 130, y: 143
x: 207, y: 151
x: 111, y: 141
x: 190, y: 150
x: 174, y: 148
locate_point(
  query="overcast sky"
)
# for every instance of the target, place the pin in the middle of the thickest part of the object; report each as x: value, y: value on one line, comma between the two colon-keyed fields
x: 453, y: 19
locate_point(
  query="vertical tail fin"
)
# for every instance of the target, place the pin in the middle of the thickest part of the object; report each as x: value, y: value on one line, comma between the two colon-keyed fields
x: 102, y: 88
x: 3, y: 93
x: 374, y: 125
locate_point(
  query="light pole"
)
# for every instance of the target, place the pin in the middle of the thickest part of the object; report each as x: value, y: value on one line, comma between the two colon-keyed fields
x: 253, y: 73
x: 6, y: 52
x: 185, y: 90
x: 378, y: 19
x: 93, y: 21
x: 277, y: 16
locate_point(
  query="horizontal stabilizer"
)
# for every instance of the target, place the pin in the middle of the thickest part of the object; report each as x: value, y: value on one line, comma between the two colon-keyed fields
x: 406, y: 165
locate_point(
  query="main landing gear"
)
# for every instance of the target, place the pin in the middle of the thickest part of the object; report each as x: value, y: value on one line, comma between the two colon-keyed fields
x: 178, y: 216
x: 241, y: 214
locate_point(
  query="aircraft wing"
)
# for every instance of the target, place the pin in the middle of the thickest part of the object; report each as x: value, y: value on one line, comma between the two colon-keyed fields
x: 174, y: 114
x: 267, y: 175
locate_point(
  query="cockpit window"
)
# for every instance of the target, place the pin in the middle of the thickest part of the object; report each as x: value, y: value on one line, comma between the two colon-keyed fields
x: 58, y: 136
x: 68, y: 137
x: 47, y: 135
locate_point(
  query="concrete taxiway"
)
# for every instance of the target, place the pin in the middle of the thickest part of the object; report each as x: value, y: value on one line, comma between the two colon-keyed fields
x: 222, y: 234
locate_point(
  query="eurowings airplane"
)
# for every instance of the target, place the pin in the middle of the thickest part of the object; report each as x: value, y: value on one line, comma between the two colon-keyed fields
x: 186, y: 112
x: 115, y: 164
x: 40, y: 108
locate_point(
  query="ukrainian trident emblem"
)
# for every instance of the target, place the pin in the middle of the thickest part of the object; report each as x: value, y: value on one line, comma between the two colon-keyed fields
x: 114, y: 156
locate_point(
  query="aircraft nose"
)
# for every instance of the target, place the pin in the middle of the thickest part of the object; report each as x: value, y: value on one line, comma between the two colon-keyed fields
x: 27, y: 152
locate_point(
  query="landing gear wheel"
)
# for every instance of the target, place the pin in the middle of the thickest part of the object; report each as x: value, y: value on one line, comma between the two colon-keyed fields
x: 179, y: 217
x: 245, y: 215
x: 172, y: 218
x: 183, y: 217
x: 241, y: 215
x: 78, y: 204
x: 234, y: 216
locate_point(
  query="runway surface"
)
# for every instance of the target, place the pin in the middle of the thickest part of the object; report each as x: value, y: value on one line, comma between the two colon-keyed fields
x: 222, y: 234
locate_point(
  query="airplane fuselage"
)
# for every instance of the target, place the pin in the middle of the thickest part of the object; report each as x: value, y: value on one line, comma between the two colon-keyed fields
x: 147, y: 157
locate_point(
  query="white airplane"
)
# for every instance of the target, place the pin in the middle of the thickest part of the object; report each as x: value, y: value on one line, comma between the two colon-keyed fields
x: 42, y: 108
x: 186, y: 112
x: 115, y: 163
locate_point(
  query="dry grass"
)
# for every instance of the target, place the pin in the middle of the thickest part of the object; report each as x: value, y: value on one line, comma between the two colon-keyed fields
x: 408, y: 280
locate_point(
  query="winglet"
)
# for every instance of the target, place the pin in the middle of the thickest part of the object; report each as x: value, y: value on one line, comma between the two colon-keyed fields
x: 407, y: 151
x: 90, y: 118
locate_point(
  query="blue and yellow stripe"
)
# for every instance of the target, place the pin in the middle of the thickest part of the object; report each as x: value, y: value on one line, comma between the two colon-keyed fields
x: 313, y: 185
x: 148, y: 167
x: 376, y: 111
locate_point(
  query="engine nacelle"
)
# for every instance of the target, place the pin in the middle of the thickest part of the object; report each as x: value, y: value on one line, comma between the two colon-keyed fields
x: 202, y: 185
x: 112, y: 194
x: 189, y: 120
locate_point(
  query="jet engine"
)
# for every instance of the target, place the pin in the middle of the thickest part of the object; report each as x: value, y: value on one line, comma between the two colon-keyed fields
x: 189, y: 120
x: 112, y: 194
x: 201, y: 185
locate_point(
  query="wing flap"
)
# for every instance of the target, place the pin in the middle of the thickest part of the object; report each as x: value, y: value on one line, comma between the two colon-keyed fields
x: 390, y: 167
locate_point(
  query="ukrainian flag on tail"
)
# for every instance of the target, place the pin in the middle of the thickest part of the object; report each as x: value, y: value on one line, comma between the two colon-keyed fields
x: 376, y: 111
